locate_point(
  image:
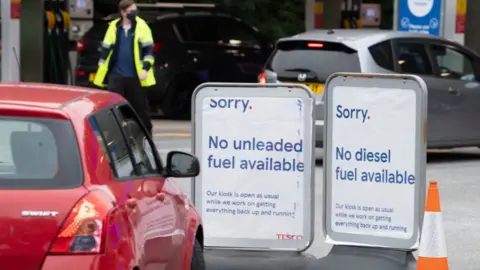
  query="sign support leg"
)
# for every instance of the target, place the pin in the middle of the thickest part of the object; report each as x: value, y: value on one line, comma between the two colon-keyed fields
x: 364, y: 258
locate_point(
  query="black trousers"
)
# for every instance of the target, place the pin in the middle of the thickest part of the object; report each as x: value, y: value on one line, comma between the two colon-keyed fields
x: 134, y: 93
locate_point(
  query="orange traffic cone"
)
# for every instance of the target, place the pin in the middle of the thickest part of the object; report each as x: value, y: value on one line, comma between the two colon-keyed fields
x: 432, y: 254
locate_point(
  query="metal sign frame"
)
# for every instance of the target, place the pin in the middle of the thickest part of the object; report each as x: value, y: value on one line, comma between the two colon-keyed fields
x: 254, y: 90
x: 386, y: 81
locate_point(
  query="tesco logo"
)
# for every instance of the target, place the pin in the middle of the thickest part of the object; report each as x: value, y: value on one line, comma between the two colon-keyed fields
x: 282, y: 236
x: 231, y: 103
x: 352, y: 113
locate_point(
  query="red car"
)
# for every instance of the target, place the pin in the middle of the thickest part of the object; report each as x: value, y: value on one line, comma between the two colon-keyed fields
x: 82, y: 186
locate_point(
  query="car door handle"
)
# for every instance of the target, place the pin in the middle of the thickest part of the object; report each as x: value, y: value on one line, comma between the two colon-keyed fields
x: 131, y: 203
x: 160, y: 196
x: 454, y: 91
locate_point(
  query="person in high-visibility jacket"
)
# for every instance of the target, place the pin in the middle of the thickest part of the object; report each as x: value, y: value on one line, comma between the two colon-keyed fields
x: 126, y: 60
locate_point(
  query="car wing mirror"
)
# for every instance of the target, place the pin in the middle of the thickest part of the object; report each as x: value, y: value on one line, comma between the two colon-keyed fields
x: 181, y: 165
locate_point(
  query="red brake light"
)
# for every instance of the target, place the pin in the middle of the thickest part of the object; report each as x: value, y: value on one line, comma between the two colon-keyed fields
x: 314, y: 45
x: 80, y: 73
x: 81, y: 46
x: 157, y: 46
x: 84, y: 231
x: 262, y: 78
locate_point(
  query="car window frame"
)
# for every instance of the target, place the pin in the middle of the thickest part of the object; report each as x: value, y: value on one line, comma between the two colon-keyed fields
x: 102, y: 143
x: 263, y: 40
x: 392, y: 54
x: 458, y: 49
x: 160, y: 169
x: 171, y: 24
x: 243, y: 27
x: 422, y: 41
x: 188, y: 21
x: 117, y: 178
x: 182, y: 38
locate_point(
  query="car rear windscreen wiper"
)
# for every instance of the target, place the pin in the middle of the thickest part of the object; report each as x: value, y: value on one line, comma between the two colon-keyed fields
x: 298, y: 70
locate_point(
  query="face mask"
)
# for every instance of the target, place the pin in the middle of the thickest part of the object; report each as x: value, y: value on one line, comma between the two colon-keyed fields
x: 131, y: 15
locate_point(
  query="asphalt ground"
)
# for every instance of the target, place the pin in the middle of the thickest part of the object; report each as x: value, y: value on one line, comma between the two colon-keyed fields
x: 457, y: 172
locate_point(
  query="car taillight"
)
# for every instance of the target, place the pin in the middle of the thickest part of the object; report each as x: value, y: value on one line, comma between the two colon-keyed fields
x: 80, y: 72
x: 157, y: 46
x: 81, y: 46
x: 262, y: 78
x: 84, y: 230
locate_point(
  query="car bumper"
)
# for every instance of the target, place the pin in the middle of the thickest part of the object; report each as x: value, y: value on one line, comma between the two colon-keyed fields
x: 319, y: 124
x: 90, y: 262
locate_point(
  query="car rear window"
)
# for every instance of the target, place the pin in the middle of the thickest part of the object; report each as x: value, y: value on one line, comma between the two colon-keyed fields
x: 97, y: 32
x: 320, y: 58
x: 38, y: 154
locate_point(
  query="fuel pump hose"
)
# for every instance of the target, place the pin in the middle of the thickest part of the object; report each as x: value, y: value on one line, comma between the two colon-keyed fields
x: 50, y: 18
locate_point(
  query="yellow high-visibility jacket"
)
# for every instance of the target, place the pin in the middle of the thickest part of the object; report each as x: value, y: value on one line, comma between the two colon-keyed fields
x: 142, y: 52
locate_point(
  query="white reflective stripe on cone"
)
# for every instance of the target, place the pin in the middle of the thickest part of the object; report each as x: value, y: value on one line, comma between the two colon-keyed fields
x: 432, y: 241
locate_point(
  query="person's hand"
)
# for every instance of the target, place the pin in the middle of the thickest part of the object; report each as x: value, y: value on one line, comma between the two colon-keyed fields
x: 143, y: 75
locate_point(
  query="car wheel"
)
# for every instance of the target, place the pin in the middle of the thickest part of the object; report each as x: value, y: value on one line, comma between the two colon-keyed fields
x: 198, y: 260
x: 177, y: 102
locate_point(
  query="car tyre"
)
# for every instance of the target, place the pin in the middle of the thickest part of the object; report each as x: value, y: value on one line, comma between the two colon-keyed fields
x: 198, y: 259
x: 176, y: 104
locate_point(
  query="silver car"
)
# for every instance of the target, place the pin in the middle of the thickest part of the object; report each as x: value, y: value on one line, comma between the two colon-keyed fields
x: 450, y: 70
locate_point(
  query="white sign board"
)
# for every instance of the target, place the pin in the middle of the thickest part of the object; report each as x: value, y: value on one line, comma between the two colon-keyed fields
x: 375, y: 159
x: 255, y: 145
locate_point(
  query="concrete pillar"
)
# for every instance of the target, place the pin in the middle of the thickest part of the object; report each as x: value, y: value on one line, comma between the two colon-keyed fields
x: 449, y: 20
x: 309, y: 15
x: 32, y: 32
x: 330, y: 13
x: 10, y: 11
x: 472, y: 27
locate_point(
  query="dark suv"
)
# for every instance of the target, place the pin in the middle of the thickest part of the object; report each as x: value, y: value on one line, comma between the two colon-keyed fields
x: 190, y: 48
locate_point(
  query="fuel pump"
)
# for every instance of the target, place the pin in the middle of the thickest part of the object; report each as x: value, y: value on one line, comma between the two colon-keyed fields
x: 81, y: 15
x: 351, y: 14
x: 66, y: 43
x: 56, y: 40
x: 57, y: 67
x: 50, y: 62
x: 371, y: 15
x: 62, y: 25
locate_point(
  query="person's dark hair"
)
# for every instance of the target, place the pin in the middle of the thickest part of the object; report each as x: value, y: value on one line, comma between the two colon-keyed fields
x: 124, y: 4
